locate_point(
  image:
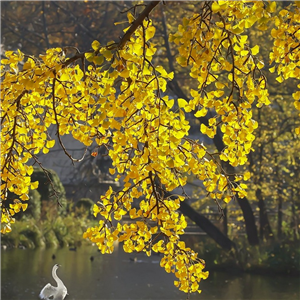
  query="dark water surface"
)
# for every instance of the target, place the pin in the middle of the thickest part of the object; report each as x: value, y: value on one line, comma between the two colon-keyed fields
x: 25, y: 272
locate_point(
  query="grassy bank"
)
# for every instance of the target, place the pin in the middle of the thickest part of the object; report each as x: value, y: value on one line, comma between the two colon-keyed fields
x: 267, y: 258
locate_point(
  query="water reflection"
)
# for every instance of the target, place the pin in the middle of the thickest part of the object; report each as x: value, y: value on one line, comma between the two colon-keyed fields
x: 116, y: 276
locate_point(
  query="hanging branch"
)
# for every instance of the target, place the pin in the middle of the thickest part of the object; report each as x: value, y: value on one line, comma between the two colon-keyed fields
x: 139, y: 21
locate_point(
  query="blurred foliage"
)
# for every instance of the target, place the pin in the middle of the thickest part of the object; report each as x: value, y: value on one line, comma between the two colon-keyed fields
x: 34, y: 26
x: 50, y: 188
x: 34, y: 210
x: 84, y: 207
x: 45, y: 222
x: 52, y: 231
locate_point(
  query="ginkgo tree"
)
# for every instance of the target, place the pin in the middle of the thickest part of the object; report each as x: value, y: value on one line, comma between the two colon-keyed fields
x: 115, y: 96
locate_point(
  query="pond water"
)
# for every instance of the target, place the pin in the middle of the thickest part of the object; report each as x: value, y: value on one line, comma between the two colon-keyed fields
x: 123, y: 276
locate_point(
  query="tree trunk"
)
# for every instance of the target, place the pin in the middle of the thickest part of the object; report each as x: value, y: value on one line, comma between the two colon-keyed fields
x: 225, y: 222
x: 264, y: 225
x: 279, y: 195
x: 279, y: 217
x: 295, y: 218
x: 207, y: 226
x: 251, y: 229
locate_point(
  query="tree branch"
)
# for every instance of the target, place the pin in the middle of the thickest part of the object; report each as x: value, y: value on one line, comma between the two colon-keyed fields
x: 137, y: 23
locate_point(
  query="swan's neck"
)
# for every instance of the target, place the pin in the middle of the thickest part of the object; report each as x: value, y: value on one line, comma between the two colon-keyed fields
x: 56, y: 278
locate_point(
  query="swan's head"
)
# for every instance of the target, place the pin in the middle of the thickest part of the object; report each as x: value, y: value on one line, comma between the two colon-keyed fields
x: 56, y: 266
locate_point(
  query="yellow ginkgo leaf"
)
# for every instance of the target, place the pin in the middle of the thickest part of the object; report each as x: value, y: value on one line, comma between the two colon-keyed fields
x: 95, y: 45
x: 182, y: 103
x: 34, y: 185
x: 255, y: 49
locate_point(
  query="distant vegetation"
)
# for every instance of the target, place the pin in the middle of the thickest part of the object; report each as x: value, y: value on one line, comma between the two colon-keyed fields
x: 47, y: 223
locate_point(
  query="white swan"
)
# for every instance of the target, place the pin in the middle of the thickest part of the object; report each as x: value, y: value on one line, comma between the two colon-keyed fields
x: 59, y: 292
